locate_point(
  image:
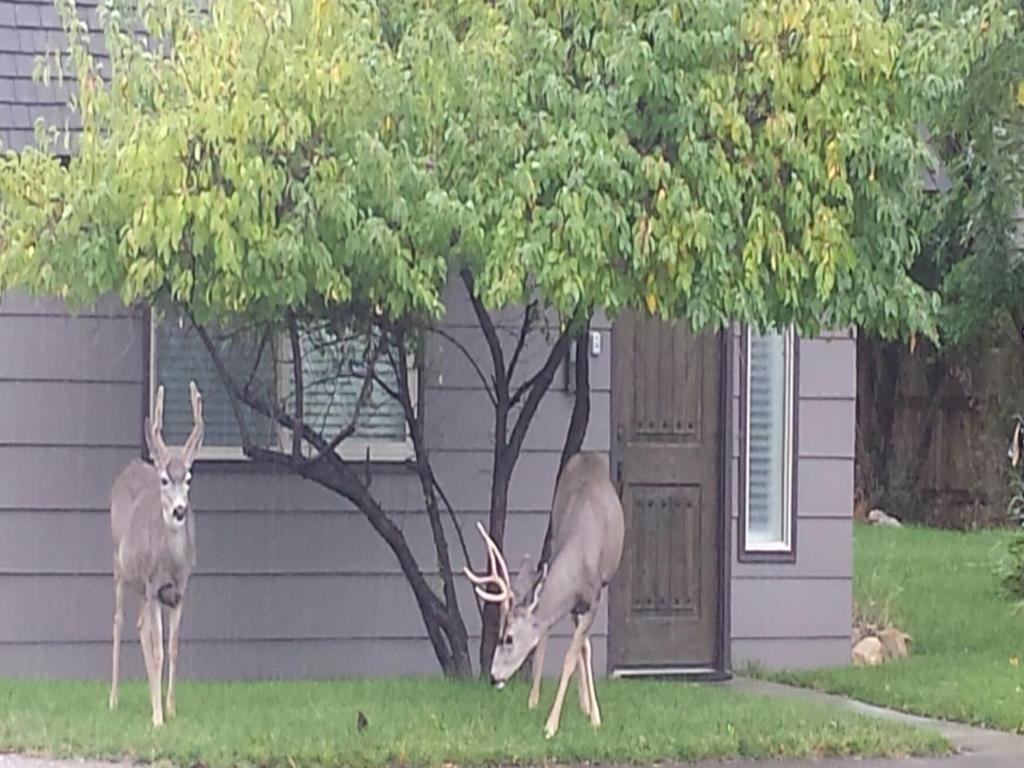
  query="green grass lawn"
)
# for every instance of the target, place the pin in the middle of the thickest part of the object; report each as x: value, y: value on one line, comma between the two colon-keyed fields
x: 431, y: 722
x: 941, y: 588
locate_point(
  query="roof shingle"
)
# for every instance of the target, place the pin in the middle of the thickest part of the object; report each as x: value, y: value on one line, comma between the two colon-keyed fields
x: 29, y: 29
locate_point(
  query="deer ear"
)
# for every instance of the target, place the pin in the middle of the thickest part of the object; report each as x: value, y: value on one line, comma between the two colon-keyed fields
x: 538, y: 586
x: 151, y: 446
x: 524, y: 579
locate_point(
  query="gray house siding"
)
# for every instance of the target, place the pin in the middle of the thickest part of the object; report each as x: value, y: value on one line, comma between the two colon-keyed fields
x: 799, y: 614
x: 291, y: 581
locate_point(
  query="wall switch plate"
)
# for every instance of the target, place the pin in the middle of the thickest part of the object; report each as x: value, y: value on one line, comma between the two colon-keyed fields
x: 595, y: 343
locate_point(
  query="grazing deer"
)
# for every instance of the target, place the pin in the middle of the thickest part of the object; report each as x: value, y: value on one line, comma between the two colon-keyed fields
x: 586, y: 547
x: 154, y: 546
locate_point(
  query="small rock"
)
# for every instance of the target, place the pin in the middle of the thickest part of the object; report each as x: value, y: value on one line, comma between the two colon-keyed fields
x: 880, y: 518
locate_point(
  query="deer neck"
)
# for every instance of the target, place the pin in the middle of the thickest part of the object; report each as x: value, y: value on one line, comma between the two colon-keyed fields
x: 180, y: 544
x: 559, y: 595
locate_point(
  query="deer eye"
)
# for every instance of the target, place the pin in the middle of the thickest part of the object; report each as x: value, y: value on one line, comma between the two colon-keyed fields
x: 165, y: 481
x: 507, y: 640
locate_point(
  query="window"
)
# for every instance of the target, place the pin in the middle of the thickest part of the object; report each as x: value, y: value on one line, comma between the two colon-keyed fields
x: 332, y: 371
x: 768, y: 446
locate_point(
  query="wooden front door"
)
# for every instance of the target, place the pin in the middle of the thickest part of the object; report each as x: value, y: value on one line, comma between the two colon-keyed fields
x: 664, y: 601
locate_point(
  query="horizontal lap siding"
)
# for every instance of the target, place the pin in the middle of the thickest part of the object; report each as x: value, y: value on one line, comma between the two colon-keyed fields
x: 249, y: 660
x: 251, y: 606
x: 291, y: 580
x: 798, y: 614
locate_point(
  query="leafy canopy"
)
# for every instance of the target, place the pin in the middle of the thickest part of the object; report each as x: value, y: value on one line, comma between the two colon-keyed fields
x: 710, y: 160
x: 973, y: 233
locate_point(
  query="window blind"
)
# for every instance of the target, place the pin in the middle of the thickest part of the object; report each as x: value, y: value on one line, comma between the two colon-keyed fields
x: 179, y: 356
x: 333, y: 373
x: 768, y: 424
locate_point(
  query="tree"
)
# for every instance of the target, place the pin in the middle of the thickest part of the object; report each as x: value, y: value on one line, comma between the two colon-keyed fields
x: 297, y: 168
x: 971, y: 248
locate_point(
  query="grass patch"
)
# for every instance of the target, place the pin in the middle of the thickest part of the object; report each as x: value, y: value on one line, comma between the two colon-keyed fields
x: 431, y: 723
x: 943, y: 588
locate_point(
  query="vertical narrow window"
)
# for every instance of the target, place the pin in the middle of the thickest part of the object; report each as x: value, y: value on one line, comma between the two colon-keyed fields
x: 768, y: 443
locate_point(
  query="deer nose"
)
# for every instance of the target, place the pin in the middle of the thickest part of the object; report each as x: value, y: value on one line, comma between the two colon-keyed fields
x: 178, y: 511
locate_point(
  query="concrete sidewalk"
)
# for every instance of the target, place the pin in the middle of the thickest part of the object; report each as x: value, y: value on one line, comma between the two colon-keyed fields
x: 975, y: 747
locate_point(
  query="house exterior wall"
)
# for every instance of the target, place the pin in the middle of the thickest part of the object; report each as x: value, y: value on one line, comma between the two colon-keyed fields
x: 291, y: 581
x: 798, y: 615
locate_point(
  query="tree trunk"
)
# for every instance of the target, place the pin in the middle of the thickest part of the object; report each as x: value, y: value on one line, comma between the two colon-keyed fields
x: 448, y: 639
x: 878, y: 373
x: 578, y: 421
x: 442, y: 619
x: 501, y: 477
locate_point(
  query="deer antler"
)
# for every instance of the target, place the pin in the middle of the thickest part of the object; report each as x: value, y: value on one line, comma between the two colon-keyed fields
x: 498, y: 575
x: 195, y: 439
x: 155, y: 424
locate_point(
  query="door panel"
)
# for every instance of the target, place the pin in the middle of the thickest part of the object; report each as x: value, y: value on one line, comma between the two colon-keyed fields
x: 664, y: 601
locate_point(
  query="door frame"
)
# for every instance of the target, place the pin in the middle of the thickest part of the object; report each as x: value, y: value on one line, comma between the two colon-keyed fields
x: 722, y: 667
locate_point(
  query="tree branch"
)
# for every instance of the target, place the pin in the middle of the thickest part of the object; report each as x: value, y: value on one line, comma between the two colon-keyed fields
x: 457, y: 526
x: 259, y: 358
x: 525, y: 387
x: 424, y: 470
x: 493, y: 342
x: 364, y: 394
x: 335, y: 474
x: 541, y: 383
x: 293, y: 335
x: 521, y: 342
x: 580, y: 417
x: 578, y: 422
x: 222, y: 374
x: 469, y: 357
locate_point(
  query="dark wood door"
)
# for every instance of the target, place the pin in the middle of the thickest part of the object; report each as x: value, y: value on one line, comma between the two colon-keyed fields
x: 664, y: 600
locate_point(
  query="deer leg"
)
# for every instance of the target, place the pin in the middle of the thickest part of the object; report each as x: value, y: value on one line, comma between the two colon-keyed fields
x: 588, y: 671
x: 538, y: 670
x: 172, y: 654
x: 144, y: 641
x: 151, y: 635
x: 568, y: 667
x: 581, y: 685
x: 582, y: 681
x: 118, y: 625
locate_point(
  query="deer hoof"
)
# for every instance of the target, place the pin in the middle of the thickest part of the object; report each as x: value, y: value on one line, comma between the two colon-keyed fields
x: 112, y: 703
x: 550, y: 730
x: 532, y: 702
x: 158, y: 721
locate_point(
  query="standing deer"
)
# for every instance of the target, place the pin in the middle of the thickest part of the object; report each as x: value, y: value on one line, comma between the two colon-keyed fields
x: 154, y: 546
x: 586, y: 547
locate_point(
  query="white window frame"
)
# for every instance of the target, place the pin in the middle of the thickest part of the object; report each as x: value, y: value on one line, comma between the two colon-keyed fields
x: 785, y: 546
x: 351, y: 449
